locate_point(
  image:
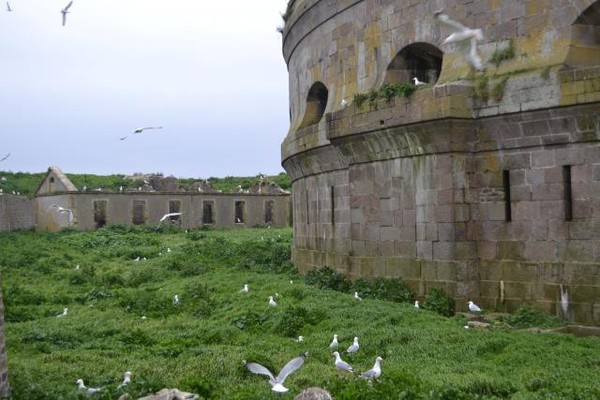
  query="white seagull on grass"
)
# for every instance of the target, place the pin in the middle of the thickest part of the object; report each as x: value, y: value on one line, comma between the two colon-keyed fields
x: 88, y: 390
x: 245, y: 289
x: 341, y: 364
x: 140, y: 130
x: 356, y: 296
x: 65, y: 11
x: 126, y: 380
x: 176, y: 300
x: 374, y: 372
x: 334, y: 342
x: 64, y: 313
x: 416, y: 303
x: 353, y: 347
x: 277, y: 382
x: 272, y: 302
x: 462, y: 39
x: 417, y: 81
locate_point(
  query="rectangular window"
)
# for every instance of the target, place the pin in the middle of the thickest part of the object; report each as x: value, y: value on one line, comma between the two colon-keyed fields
x: 239, y: 212
x: 269, y: 211
x: 332, y: 205
x: 139, y: 212
x: 175, y: 207
x: 568, y: 193
x: 100, y: 207
x: 507, y: 203
x: 207, y: 212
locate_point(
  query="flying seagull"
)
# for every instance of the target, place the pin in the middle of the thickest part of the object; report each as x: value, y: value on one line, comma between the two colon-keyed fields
x: 140, y: 130
x: 353, y: 347
x: 277, y: 382
x: 62, y: 210
x: 374, y: 372
x: 8, y: 155
x: 9, y: 10
x: 474, y: 307
x: 65, y: 11
x: 88, y: 390
x: 341, y: 364
x: 334, y: 342
x: 169, y: 215
x: 462, y: 39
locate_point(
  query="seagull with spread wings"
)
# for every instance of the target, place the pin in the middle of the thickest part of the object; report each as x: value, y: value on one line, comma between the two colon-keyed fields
x: 140, y: 130
x: 462, y: 39
x: 62, y: 210
x: 5, y: 157
x: 65, y: 11
x: 277, y: 382
x: 8, y: 7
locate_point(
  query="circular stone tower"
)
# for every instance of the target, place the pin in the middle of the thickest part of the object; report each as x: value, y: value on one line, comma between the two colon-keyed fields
x: 485, y: 184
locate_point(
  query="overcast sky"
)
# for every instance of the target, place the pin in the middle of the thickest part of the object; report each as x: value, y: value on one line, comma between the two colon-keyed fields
x: 210, y: 73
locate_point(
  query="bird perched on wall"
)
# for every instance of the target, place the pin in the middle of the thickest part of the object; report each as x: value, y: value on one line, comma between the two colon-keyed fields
x: 344, y: 103
x: 140, y: 130
x: 62, y: 210
x: 341, y: 364
x: 473, y: 307
x: 374, y: 372
x: 64, y: 313
x: 65, y: 11
x: 277, y: 382
x: 169, y: 215
x: 417, y: 81
x: 462, y: 39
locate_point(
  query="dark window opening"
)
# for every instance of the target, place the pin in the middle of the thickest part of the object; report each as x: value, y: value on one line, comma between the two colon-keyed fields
x: 418, y: 60
x: 269, y: 211
x: 207, y: 212
x: 316, y: 101
x: 100, y: 213
x: 51, y: 179
x: 568, y: 193
x: 175, y: 207
x: 507, y: 203
x: 239, y: 212
x: 139, y: 212
x: 333, y: 205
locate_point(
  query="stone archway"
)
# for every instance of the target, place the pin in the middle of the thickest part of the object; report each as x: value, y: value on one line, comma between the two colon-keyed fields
x: 316, y: 102
x: 421, y: 60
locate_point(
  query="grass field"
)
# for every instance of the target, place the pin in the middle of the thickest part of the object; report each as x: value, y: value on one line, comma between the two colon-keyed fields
x: 199, y: 345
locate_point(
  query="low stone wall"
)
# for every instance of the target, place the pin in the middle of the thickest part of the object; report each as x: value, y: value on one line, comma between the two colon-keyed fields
x: 16, y: 212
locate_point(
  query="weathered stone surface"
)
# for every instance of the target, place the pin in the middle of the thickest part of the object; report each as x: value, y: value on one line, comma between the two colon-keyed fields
x: 313, y: 393
x: 171, y: 394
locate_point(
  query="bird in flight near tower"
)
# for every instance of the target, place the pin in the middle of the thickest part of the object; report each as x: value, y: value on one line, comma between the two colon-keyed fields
x: 65, y: 11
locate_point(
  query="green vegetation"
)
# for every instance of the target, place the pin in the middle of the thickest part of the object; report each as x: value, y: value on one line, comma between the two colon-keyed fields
x: 387, y: 92
x: 199, y: 345
x: 498, y: 89
x: 27, y: 183
x: 503, y: 54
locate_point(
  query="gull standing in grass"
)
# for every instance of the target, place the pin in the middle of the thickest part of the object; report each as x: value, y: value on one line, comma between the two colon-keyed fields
x: 176, y: 300
x: 65, y: 11
x: 334, y: 342
x: 277, y: 382
x: 245, y: 289
x: 64, y: 313
x: 374, y: 372
x: 416, y: 303
x: 272, y: 302
x: 417, y: 81
x: 356, y: 296
x: 88, y: 390
x: 62, y: 210
x: 341, y: 364
x: 474, y: 307
x: 126, y: 380
x: 140, y: 130
x: 462, y: 39
x: 353, y: 347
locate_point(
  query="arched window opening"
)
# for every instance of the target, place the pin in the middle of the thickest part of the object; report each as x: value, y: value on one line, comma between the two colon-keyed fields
x: 316, y: 102
x: 420, y: 60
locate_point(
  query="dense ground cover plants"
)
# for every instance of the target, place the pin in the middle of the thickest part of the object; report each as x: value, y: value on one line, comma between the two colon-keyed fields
x: 121, y: 317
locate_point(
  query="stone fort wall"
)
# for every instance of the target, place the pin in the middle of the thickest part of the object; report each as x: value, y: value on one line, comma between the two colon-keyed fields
x: 486, y: 185
x: 16, y: 212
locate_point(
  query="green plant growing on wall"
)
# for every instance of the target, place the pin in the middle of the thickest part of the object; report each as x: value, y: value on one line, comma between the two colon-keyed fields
x: 481, y: 88
x: 503, y: 54
x: 498, y: 89
x: 546, y: 73
x: 373, y: 99
x: 359, y: 99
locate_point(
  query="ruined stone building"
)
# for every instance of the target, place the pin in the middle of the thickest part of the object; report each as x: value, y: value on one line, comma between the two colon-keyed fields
x: 484, y: 184
x: 97, y: 208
